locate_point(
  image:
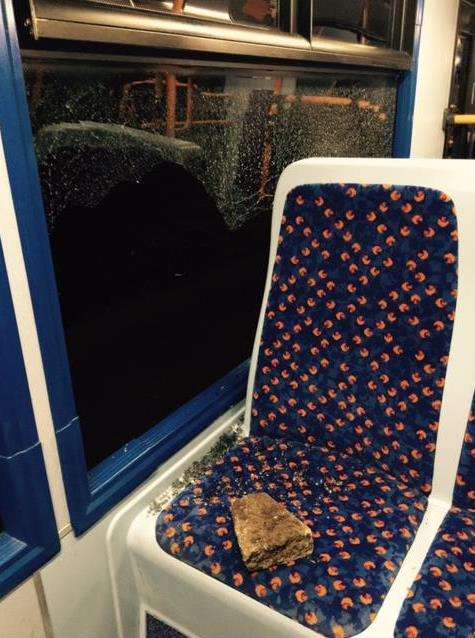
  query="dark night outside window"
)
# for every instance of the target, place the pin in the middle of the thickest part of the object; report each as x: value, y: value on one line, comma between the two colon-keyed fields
x: 157, y: 184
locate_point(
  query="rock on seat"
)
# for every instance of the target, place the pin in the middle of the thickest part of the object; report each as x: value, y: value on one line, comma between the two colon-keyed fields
x: 346, y: 402
x: 361, y: 534
x: 442, y: 600
x: 267, y: 533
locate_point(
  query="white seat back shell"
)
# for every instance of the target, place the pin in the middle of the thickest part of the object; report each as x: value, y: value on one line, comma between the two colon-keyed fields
x: 145, y: 578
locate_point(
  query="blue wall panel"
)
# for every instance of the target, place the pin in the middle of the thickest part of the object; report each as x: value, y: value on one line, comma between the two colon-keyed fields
x: 29, y: 536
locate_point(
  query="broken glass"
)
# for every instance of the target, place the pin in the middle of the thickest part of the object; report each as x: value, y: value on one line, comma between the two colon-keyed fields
x: 157, y: 184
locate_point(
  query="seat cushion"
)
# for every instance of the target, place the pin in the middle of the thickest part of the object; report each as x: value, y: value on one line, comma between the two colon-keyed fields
x: 362, y: 520
x: 358, y: 323
x: 442, y: 599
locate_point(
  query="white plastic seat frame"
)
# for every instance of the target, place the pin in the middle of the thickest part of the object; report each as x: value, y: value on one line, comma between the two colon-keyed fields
x: 145, y: 579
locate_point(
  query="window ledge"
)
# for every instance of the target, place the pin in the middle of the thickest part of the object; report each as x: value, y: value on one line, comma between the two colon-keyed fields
x: 124, y: 470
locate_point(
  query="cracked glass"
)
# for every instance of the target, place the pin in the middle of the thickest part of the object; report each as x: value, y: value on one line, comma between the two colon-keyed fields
x: 157, y: 184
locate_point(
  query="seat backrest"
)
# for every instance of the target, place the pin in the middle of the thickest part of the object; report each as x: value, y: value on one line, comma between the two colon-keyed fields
x: 355, y: 332
x: 464, y: 492
x: 359, y: 320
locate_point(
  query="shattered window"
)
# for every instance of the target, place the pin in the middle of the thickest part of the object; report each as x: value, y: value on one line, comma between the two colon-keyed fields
x: 157, y: 185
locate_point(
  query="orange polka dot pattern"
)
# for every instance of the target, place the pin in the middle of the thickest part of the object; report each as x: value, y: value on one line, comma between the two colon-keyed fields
x: 346, y: 403
x: 442, y: 600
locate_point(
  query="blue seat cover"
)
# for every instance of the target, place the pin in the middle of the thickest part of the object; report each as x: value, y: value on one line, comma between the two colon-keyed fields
x: 442, y: 600
x: 346, y: 402
x: 359, y: 321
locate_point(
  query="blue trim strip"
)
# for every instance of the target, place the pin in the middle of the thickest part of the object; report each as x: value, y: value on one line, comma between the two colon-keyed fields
x: 27, y: 513
x: 29, y: 536
x: 17, y: 423
x: 27, y: 198
x: 89, y: 496
x: 406, y: 98
x: 19, y: 561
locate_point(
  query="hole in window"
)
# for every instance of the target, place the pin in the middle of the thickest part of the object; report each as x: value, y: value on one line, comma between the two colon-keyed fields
x: 157, y: 184
x: 360, y: 21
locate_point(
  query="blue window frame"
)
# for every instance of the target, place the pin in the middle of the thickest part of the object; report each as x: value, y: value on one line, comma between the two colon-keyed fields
x: 90, y: 493
x: 407, y: 95
x: 28, y: 535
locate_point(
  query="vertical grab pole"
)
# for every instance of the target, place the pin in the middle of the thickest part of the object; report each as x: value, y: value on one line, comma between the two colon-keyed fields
x: 178, y: 6
x: 171, y: 104
x: 267, y: 152
x: 189, y: 103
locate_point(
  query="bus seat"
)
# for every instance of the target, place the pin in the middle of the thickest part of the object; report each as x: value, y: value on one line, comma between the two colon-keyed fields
x: 346, y: 396
x: 442, y: 599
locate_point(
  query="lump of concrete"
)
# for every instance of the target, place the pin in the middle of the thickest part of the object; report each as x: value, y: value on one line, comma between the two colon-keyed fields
x: 267, y: 533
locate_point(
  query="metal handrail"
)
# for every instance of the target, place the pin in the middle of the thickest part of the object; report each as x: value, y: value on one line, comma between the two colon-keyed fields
x: 460, y: 119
